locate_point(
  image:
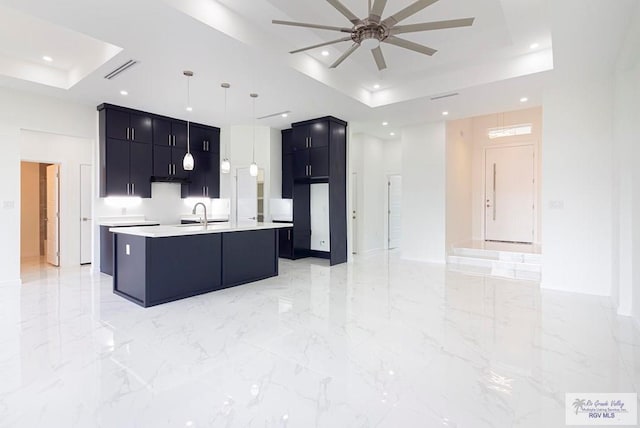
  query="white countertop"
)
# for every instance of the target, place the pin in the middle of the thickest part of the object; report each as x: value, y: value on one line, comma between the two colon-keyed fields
x: 167, y: 231
x: 127, y: 222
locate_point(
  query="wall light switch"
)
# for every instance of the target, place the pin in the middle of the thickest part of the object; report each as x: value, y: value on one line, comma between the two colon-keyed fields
x: 556, y: 205
x: 127, y: 249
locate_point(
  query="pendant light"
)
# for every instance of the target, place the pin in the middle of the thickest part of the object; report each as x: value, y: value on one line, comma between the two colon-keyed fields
x: 187, y: 162
x: 253, y: 168
x: 225, y: 165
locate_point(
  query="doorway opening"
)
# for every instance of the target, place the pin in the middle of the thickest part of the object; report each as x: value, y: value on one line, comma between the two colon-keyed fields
x: 40, y: 214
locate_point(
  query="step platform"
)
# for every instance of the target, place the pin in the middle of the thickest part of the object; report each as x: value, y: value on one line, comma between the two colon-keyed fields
x: 499, y: 259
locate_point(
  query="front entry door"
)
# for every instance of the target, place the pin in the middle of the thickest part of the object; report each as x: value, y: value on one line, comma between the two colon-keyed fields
x: 509, y: 194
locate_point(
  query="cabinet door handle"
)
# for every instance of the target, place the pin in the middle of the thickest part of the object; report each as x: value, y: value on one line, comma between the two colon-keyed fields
x: 310, y: 142
x: 206, y: 146
x: 169, y: 165
x: 289, y: 235
x: 309, y: 170
x: 174, y: 141
x: 174, y: 169
x: 133, y: 188
x: 133, y: 134
x: 128, y: 133
x: 203, y: 194
x: 128, y: 193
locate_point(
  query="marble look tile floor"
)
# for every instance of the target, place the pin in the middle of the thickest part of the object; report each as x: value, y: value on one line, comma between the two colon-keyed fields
x: 381, y: 342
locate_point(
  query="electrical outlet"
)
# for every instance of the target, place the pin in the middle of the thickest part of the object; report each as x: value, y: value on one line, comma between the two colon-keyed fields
x: 8, y: 205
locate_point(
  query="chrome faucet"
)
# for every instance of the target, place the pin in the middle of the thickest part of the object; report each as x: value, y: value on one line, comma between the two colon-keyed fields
x: 206, y: 222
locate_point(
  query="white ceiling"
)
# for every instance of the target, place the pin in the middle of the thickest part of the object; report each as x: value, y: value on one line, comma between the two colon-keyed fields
x: 490, y: 65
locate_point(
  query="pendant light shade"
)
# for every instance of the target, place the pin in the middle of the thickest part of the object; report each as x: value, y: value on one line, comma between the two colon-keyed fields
x: 253, y: 169
x: 188, y: 162
x: 225, y: 165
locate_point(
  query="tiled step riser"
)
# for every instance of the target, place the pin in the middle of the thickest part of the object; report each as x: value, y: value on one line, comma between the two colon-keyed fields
x: 499, y: 255
x: 494, y: 264
x: 501, y: 273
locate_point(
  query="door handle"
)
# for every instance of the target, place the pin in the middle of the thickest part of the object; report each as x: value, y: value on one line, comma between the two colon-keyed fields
x: 128, y: 133
x: 169, y: 165
x: 133, y: 134
x: 169, y: 139
x: 85, y: 219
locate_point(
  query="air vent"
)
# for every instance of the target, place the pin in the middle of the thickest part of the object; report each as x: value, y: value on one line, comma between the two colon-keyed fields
x: 281, y: 113
x: 124, y: 67
x: 439, y: 97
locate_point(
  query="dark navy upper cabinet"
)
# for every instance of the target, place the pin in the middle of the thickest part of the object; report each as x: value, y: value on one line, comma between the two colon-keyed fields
x: 126, y: 125
x: 170, y: 133
x: 204, y: 180
x: 307, y: 135
x: 137, y: 148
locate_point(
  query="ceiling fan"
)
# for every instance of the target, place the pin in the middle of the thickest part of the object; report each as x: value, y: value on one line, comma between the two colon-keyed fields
x: 369, y: 32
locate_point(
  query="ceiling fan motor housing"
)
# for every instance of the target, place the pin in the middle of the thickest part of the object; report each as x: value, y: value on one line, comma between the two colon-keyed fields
x: 369, y: 34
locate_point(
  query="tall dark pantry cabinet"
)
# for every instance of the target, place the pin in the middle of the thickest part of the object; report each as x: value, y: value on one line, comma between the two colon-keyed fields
x: 315, y: 152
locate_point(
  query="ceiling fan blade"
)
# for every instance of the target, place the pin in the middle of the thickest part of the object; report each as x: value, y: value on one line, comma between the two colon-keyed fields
x: 412, y: 9
x: 428, y: 26
x: 379, y: 58
x: 376, y: 10
x: 345, y: 11
x: 344, y: 39
x: 392, y: 40
x: 345, y: 55
x: 318, y: 26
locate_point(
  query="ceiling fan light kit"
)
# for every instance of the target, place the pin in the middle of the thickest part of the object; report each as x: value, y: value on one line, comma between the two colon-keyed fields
x: 371, y: 31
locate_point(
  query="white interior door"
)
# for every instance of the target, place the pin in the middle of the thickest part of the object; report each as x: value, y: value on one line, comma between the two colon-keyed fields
x: 509, y: 194
x: 354, y: 212
x: 395, y: 210
x: 246, y: 197
x: 319, y: 206
x: 86, y: 223
x: 53, y: 215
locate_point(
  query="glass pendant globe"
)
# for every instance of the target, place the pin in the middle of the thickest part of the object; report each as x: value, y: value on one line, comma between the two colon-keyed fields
x: 225, y: 166
x: 187, y: 162
x: 253, y: 170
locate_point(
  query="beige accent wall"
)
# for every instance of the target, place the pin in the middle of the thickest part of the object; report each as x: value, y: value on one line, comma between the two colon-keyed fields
x: 29, y: 210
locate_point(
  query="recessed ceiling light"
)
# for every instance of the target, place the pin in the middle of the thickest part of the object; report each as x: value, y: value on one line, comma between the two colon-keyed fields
x: 393, y: 134
x: 285, y: 114
x: 325, y: 53
x: 534, y: 46
x: 524, y: 99
x: 445, y: 113
x: 385, y: 123
x: 376, y: 86
x: 47, y: 58
x: 123, y: 92
x: 189, y: 108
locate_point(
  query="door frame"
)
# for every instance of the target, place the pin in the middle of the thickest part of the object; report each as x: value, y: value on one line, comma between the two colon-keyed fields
x: 82, y: 186
x: 387, y: 244
x: 489, y: 146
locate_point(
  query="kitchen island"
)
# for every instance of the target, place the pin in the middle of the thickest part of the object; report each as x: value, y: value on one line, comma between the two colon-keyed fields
x: 160, y: 264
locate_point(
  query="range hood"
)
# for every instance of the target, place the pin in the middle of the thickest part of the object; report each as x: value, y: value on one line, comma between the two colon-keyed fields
x: 169, y: 179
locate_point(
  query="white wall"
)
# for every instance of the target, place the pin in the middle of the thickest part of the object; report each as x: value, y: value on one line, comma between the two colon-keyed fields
x: 22, y: 110
x: 69, y: 153
x: 576, y: 184
x: 459, y: 154
x: 423, y: 192
x: 626, y: 178
x: 29, y: 210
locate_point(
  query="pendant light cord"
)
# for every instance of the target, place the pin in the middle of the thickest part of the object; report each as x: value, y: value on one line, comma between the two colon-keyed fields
x: 253, y: 157
x: 225, y: 119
